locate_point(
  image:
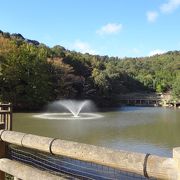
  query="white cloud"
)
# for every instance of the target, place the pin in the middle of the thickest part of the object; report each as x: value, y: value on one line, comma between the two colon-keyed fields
x: 152, y: 16
x: 170, y: 6
x: 110, y: 28
x: 83, y: 47
x: 156, y: 51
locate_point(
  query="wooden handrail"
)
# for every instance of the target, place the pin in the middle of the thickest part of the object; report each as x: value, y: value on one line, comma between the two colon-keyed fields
x: 5, y: 105
x: 6, y: 115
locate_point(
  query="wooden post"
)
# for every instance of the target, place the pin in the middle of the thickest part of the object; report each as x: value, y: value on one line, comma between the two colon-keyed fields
x: 135, y: 102
x: 2, y: 155
x: 10, y: 117
x: 0, y: 114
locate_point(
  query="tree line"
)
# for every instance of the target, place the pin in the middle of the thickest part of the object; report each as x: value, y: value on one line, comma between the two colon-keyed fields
x: 33, y: 74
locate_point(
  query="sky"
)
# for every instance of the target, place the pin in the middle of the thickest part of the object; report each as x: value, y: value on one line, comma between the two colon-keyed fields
x: 120, y: 28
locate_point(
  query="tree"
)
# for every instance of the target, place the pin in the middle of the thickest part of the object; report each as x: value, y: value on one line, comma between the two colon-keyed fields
x: 25, y: 78
x: 176, y: 88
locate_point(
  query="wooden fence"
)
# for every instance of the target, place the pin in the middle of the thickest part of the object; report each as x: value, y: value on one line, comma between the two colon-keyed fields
x: 6, y: 116
x: 140, y: 99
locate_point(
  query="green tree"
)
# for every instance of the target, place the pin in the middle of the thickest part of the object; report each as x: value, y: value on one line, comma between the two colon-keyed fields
x: 25, y: 78
x: 176, y: 88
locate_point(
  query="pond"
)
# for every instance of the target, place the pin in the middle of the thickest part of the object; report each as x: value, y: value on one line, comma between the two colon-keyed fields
x: 152, y: 130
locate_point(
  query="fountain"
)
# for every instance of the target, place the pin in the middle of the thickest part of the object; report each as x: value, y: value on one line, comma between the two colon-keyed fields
x: 81, y: 110
x: 74, y: 106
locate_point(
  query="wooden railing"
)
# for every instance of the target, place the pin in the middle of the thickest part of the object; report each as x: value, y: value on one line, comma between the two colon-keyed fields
x: 151, y: 166
x: 6, y: 116
x: 140, y: 99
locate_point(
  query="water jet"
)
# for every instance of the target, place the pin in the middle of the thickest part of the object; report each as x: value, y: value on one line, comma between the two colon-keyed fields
x: 70, y: 110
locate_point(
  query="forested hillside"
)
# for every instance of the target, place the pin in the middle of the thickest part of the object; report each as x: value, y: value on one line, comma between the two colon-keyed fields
x: 32, y: 74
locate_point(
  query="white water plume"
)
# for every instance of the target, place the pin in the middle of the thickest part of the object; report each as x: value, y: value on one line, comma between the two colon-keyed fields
x: 70, y: 110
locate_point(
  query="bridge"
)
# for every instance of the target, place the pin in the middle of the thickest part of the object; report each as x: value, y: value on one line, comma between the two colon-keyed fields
x: 149, y: 99
x: 140, y: 99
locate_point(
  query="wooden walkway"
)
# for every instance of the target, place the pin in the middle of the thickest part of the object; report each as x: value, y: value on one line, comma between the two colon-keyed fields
x: 137, y: 100
x: 147, y: 100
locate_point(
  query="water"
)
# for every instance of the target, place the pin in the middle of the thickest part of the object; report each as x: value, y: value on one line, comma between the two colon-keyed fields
x: 141, y: 129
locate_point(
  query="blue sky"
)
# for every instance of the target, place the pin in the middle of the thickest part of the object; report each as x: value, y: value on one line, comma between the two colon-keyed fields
x: 131, y: 28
